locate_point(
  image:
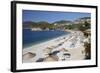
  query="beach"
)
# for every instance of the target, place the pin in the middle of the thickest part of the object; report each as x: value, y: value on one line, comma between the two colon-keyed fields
x: 63, y: 48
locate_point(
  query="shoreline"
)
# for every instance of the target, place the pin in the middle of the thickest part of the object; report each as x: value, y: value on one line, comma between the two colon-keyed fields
x: 59, y: 44
x: 46, y: 42
x: 55, y: 38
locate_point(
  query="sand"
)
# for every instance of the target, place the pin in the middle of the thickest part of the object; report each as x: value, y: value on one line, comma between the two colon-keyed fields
x: 70, y: 47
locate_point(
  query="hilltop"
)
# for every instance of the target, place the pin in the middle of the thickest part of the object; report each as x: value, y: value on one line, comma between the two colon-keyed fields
x: 79, y: 24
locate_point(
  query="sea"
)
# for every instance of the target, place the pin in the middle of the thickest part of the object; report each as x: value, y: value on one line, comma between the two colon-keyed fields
x: 34, y: 37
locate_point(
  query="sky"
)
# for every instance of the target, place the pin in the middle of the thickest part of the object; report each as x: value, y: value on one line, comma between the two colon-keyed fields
x: 51, y: 16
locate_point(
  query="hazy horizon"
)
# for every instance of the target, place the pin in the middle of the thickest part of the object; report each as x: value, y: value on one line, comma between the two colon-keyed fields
x: 51, y: 16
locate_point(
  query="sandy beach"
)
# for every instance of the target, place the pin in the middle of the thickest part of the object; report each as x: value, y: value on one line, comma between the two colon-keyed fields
x: 63, y: 48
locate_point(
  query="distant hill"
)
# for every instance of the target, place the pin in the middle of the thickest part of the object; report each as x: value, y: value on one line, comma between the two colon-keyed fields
x: 43, y: 22
x: 62, y: 22
x: 29, y: 24
x: 82, y: 20
x: 85, y: 18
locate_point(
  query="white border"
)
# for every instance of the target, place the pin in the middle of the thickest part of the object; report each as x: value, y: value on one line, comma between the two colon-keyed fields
x: 21, y: 65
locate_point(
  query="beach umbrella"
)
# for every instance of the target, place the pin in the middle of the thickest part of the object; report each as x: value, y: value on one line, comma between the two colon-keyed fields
x: 54, y: 53
x: 40, y: 60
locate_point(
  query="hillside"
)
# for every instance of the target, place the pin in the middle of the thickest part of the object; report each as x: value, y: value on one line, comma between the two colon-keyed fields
x: 79, y: 24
